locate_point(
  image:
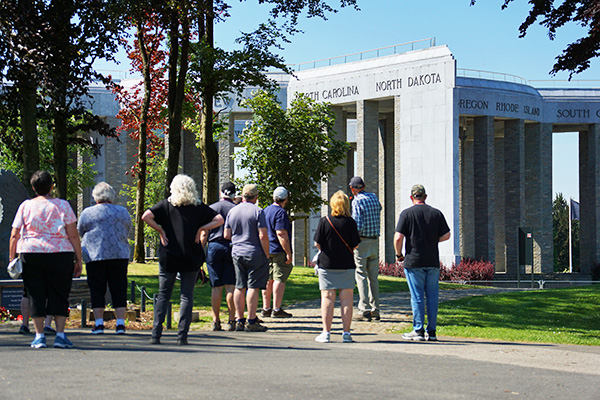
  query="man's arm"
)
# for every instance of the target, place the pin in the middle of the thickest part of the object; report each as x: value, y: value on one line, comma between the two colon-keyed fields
x: 264, y: 240
x: 227, y: 233
x: 284, y: 240
x: 445, y: 237
x: 216, y: 221
x: 398, y: 242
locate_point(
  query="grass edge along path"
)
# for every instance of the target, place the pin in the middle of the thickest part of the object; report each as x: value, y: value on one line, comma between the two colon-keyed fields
x: 561, y: 316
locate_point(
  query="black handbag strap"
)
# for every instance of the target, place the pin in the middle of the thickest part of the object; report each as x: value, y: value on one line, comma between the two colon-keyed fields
x: 336, y: 231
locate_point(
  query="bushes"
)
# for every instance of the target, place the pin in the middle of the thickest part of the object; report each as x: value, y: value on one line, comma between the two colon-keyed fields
x: 466, y: 270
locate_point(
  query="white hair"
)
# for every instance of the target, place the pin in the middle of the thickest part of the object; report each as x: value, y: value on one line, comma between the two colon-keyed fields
x: 183, y: 191
x: 103, y: 193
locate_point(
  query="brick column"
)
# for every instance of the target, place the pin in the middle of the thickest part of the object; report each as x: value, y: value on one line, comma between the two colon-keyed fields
x: 367, y: 143
x: 538, y: 192
x: 589, y: 196
x: 466, y: 208
x: 483, y: 187
x: 339, y: 179
x: 514, y: 193
x: 191, y: 159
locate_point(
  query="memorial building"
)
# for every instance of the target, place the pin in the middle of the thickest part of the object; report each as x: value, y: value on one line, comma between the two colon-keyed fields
x: 480, y: 143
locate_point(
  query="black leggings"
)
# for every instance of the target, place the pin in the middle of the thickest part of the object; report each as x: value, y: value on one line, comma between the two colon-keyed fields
x: 47, y: 278
x: 112, y: 272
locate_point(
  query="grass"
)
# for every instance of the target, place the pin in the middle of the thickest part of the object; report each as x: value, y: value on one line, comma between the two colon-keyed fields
x: 564, y: 316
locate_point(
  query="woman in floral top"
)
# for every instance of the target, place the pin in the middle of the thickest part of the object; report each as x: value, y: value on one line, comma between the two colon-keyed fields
x: 44, y: 233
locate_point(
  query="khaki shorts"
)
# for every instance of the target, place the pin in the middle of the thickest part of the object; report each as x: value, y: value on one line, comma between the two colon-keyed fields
x: 278, y: 269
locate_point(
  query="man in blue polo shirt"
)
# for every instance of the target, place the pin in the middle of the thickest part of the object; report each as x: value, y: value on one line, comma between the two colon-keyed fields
x: 366, y: 211
x: 279, y: 228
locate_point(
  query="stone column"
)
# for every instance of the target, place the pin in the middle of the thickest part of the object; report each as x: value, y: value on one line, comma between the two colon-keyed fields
x: 225, y: 147
x: 466, y: 210
x: 191, y: 159
x: 514, y: 193
x: 499, y: 203
x: 386, y: 190
x: 399, y: 195
x: 538, y: 192
x: 339, y: 179
x: 589, y: 196
x: 367, y: 143
x: 483, y: 188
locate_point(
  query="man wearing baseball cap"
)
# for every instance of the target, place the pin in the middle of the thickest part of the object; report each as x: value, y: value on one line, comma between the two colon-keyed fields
x: 366, y: 211
x: 279, y: 228
x: 246, y: 227
x: 219, y: 261
x: 420, y: 228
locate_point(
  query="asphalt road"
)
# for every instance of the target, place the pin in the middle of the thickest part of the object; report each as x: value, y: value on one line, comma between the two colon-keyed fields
x: 278, y: 364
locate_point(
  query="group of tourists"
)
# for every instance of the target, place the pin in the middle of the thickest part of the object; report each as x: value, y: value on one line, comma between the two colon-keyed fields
x: 247, y: 250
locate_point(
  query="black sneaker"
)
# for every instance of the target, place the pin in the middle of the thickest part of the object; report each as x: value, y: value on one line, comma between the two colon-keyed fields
x: 120, y: 329
x: 363, y: 316
x: 417, y: 336
x: 376, y: 316
x: 23, y: 330
x: 255, y: 327
x: 98, y: 330
x: 430, y: 336
x: 182, y: 342
x: 281, y: 314
x: 154, y: 340
x: 49, y: 330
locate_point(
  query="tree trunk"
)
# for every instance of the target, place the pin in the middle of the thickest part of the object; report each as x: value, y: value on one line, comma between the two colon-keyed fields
x: 178, y: 66
x: 60, y: 154
x: 31, y: 150
x: 139, y: 254
x: 208, y: 148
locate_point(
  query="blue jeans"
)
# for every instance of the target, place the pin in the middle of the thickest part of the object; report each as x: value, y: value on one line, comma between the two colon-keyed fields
x: 423, y: 282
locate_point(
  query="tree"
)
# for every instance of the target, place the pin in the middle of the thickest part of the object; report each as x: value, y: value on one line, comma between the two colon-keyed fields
x: 576, y: 57
x: 215, y: 72
x: 560, y: 223
x: 143, y: 111
x: 294, y: 148
x: 47, y: 48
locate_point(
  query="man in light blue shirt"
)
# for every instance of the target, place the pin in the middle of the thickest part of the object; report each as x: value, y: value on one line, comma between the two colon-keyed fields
x: 366, y: 211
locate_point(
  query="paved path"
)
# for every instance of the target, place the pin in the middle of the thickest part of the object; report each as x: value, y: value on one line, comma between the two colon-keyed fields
x: 286, y: 363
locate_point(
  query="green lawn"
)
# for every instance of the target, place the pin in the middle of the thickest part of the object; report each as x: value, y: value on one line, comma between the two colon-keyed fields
x: 570, y: 316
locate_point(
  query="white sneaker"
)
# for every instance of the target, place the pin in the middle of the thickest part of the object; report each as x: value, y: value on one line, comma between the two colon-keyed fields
x: 323, y: 337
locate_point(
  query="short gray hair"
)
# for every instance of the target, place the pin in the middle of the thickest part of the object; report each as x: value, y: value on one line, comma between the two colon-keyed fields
x: 103, y: 193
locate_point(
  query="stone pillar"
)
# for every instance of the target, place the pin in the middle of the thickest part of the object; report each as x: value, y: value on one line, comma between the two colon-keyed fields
x: 483, y: 188
x: 538, y: 192
x: 499, y: 208
x: 466, y: 210
x: 386, y: 190
x: 367, y: 143
x: 514, y: 193
x: 191, y: 159
x: 397, y: 156
x: 225, y: 146
x: 339, y: 179
x: 589, y: 196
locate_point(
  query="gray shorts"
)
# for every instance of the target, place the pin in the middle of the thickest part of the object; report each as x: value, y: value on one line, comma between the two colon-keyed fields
x: 251, y: 272
x: 336, y: 279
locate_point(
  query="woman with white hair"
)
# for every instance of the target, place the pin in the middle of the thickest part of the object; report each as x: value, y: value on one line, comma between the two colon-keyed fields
x: 105, y: 228
x: 180, y: 220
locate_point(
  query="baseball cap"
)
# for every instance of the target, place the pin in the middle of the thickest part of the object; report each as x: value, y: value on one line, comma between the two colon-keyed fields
x: 228, y: 189
x: 250, y: 191
x: 356, y: 182
x: 280, y: 193
x: 417, y: 191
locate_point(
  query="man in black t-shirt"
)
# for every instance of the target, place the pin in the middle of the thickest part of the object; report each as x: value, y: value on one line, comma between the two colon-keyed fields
x: 423, y: 227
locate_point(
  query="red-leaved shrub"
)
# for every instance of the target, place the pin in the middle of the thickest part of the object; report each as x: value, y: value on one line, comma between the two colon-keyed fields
x: 466, y: 270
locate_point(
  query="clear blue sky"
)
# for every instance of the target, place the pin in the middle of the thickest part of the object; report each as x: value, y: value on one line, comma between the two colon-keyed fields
x: 482, y: 37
